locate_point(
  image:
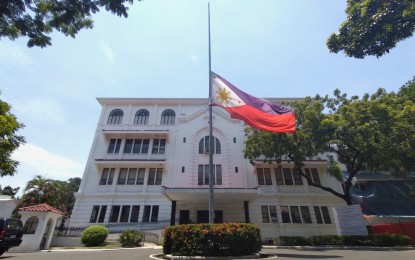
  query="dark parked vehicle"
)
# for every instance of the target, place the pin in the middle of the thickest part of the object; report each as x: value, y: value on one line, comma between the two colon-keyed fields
x: 11, y: 232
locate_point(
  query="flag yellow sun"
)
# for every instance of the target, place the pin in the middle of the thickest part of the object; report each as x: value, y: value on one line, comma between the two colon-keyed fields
x: 223, y: 95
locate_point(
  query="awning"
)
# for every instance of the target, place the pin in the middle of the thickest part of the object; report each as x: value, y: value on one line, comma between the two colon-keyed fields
x: 221, y: 195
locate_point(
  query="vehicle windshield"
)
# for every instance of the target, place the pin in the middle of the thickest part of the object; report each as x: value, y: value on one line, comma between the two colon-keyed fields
x: 14, y: 224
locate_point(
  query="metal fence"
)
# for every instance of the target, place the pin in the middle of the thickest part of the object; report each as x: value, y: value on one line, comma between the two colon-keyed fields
x: 151, y: 230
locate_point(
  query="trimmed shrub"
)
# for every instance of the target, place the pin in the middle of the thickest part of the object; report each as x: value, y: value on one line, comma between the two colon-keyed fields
x: 293, y: 241
x: 228, y: 239
x: 325, y: 240
x: 94, y: 235
x: 369, y: 240
x: 131, y: 238
x: 377, y: 240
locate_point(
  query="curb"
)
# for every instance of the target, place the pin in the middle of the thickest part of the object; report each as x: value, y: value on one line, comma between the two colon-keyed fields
x: 342, y: 247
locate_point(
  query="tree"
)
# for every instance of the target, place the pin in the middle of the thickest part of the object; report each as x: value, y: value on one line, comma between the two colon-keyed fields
x: 58, y: 194
x: 362, y: 134
x: 9, y: 139
x: 373, y: 27
x: 9, y: 191
x: 36, y: 19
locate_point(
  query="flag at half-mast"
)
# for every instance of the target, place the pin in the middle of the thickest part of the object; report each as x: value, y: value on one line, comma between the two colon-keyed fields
x: 255, y: 112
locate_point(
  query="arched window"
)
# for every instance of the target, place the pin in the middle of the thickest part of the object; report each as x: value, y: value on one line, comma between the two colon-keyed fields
x: 168, y: 117
x: 30, y: 225
x: 115, y: 117
x: 141, y: 117
x: 204, y: 145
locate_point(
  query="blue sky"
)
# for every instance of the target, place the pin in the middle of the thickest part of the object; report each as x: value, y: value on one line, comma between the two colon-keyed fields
x: 267, y: 48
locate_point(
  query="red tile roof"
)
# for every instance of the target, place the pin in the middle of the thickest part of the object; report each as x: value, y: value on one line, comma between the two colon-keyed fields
x: 42, y: 208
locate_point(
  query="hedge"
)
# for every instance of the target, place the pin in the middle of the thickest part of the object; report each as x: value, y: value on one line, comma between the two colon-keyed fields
x: 228, y: 239
x: 369, y: 240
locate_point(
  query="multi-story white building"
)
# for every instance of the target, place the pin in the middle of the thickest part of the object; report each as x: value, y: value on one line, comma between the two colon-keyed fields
x: 149, y: 163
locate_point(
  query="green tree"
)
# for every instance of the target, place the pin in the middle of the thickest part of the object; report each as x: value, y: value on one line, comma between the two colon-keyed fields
x: 36, y: 19
x: 362, y: 134
x: 373, y: 27
x: 56, y: 193
x: 9, y: 139
x: 37, y: 191
x: 9, y: 191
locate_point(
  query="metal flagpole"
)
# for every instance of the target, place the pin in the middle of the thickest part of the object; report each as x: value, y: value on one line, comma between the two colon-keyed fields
x: 211, y: 195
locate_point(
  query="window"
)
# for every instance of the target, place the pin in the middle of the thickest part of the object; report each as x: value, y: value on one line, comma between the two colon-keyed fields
x: 288, y: 179
x: 115, y: 211
x: 203, y: 174
x: 322, y: 214
x: 136, y: 146
x: 285, y: 215
x: 141, y: 117
x: 168, y: 117
x: 278, y: 176
x: 98, y: 214
x: 107, y: 176
x: 269, y: 214
x: 287, y: 176
x: 184, y: 139
x: 31, y: 225
x: 94, y: 214
x: 150, y: 213
x: 236, y: 169
x: 115, y: 117
x: 182, y: 169
x: 114, y: 146
x: 125, y: 213
x: 140, y: 177
x: 204, y: 145
x: 131, y: 176
x: 155, y: 176
x: 135, y: 210
x: 298, y: 180
x: 312, y: 173
x: 295, y: 214
x: 159, y: 146
x: 102, y: 214
x: 122, y: 177
x: 305, y: 214
x: 264, y: 176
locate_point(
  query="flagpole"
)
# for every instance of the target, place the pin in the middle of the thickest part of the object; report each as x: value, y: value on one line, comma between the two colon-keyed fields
x: 211, y: 195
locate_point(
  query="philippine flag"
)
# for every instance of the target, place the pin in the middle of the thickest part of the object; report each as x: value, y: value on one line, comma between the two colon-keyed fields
x: 256, y: 112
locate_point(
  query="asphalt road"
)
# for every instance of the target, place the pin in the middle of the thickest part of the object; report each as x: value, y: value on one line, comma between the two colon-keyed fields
x: 148, y: 253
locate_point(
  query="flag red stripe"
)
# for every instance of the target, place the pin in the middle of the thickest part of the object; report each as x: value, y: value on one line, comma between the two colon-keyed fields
x: 255, y: 118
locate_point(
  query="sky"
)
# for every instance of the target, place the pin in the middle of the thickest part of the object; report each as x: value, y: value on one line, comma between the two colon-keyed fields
x: 267, y: 48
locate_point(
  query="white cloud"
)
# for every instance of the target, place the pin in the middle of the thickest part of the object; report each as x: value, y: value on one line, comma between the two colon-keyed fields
x: 12, y: 54
x: 35, y: 160
x: 40, y: 109
x: 194, y: 59
x: 106, y: 49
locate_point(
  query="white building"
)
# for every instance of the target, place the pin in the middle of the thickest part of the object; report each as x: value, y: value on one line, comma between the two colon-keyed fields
x: 149, y: 164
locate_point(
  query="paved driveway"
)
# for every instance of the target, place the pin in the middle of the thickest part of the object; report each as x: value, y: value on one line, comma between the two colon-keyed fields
x: 294, y: 253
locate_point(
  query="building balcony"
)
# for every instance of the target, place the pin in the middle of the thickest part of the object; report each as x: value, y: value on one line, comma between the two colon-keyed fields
x: 142, y: 131
x: 221, y: 195
x: 155, y: 160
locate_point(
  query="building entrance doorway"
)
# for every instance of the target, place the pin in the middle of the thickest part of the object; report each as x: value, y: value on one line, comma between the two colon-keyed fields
x: 203, y: 216
x: 184, y: 217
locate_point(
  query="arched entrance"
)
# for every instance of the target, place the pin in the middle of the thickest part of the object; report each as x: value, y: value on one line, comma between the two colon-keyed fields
x: 46, y: 234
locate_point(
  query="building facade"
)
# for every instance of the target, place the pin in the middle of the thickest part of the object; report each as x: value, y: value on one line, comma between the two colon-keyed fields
x: 149, y: 163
